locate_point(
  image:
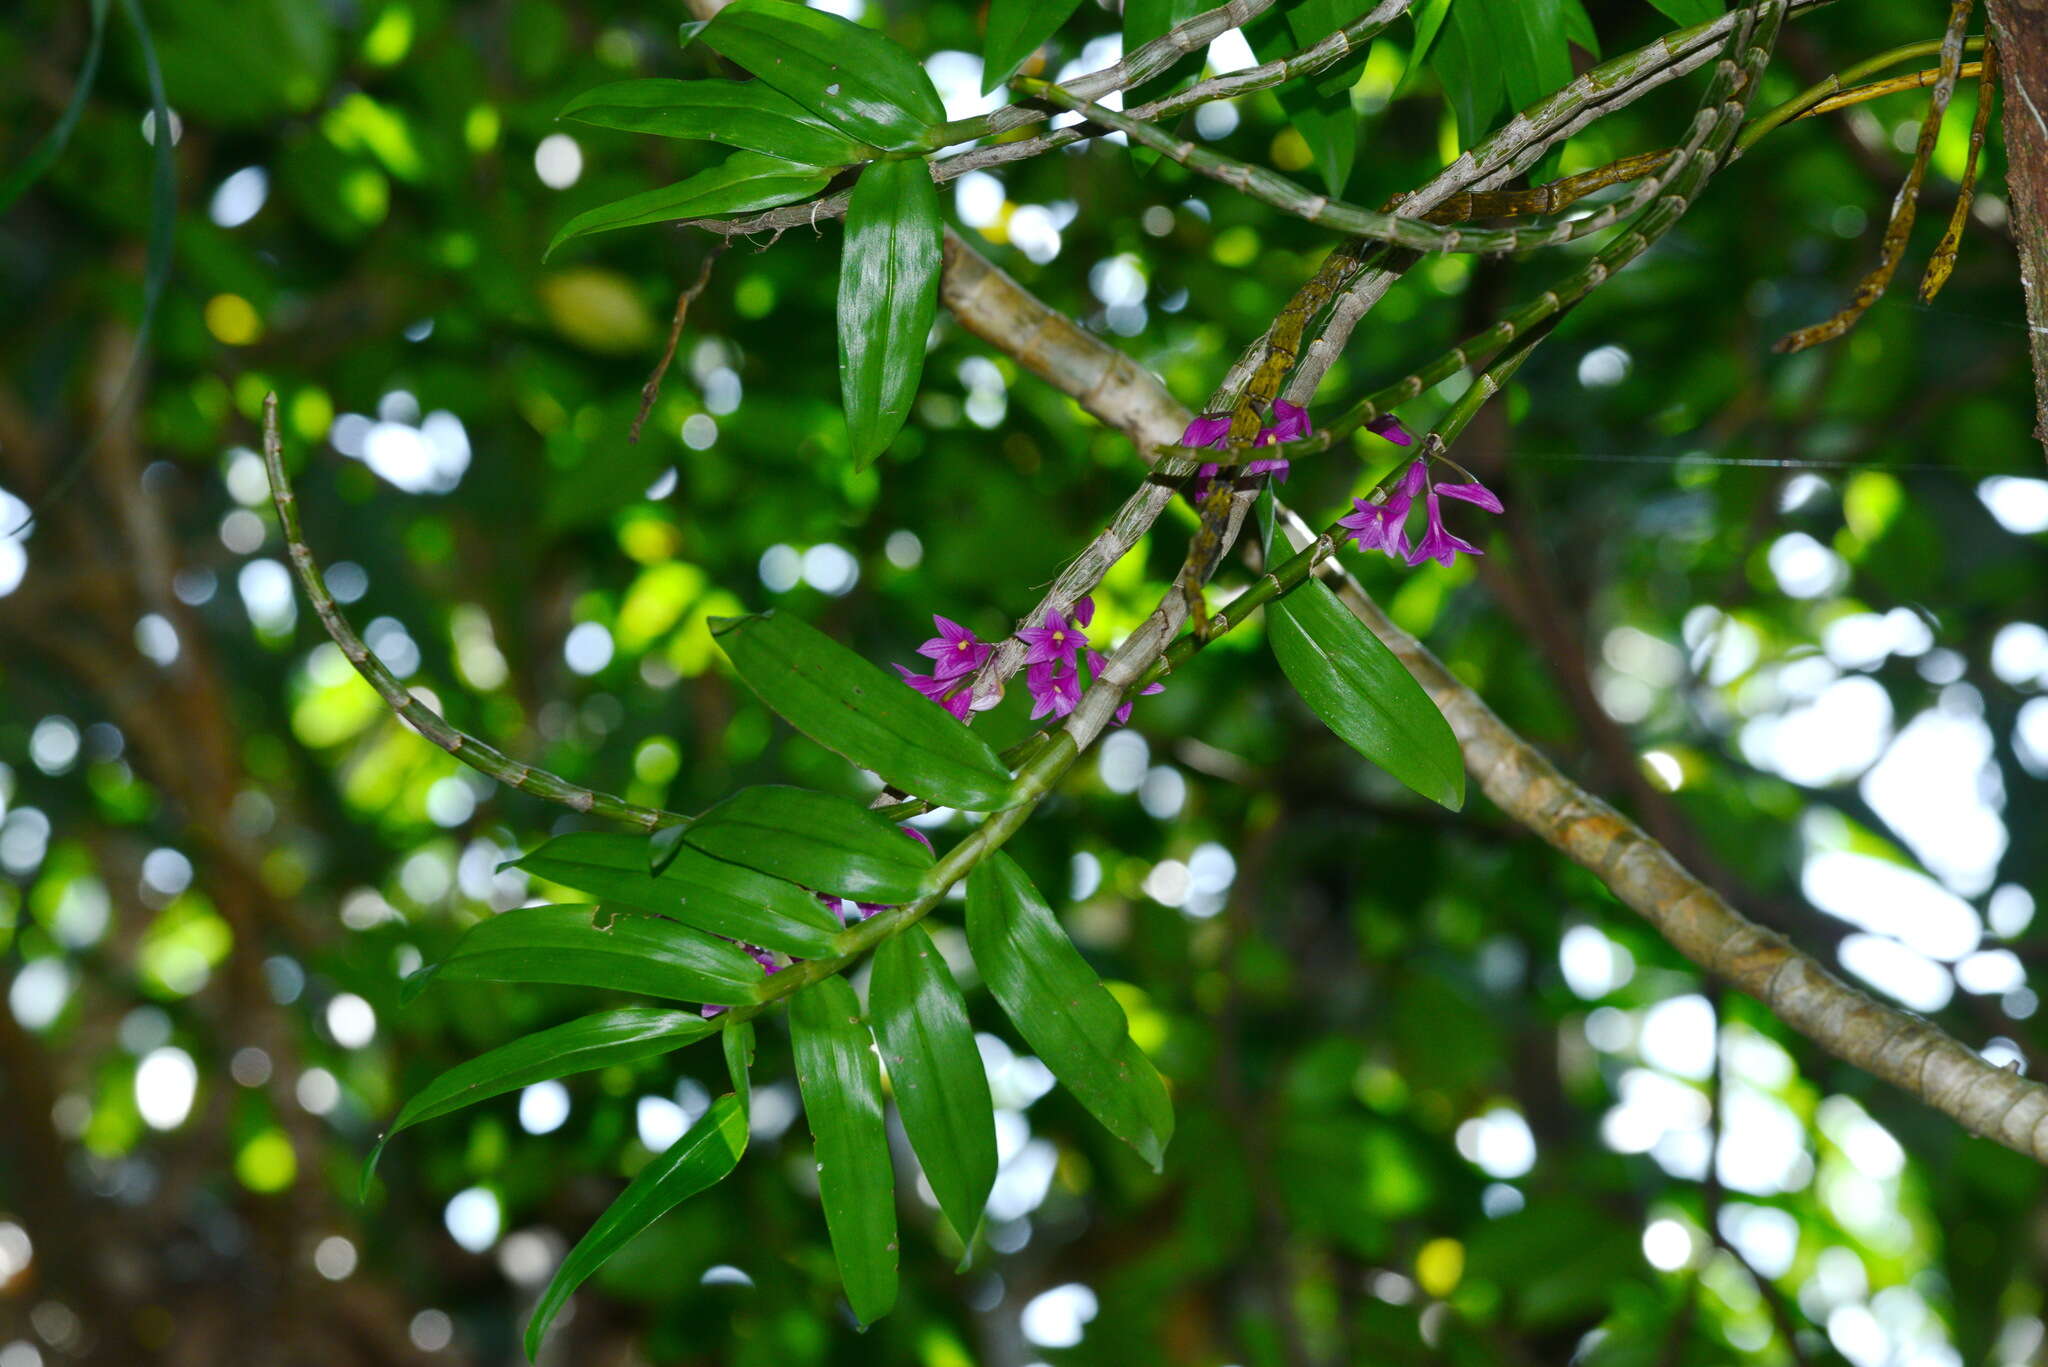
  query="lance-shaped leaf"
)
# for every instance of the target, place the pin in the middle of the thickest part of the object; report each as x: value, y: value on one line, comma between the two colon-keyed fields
x: 750, y: 115
x: 700, y: 1159
x: 741, y: 184
x: 936, y: 1073
x: 1016, y: 28
x: 854, y: 78
x: 1531, y: 41
x: 1062, y: 1009
x: 584, y: 1044
x: 590, y: 946
x: 1355, y: 684
x: 739, y: 1060
x: 888, y: 296
x: 841, y: 1085
x: 856, y: 711
x: 693, y: 888
x: 829, y: 843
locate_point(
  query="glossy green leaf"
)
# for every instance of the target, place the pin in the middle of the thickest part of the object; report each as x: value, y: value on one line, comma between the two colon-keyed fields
x: 1690, y: 12
x: 663, y: 845
x: 693, y: 888
x: 841, y: 1083
x: 739, y: 1060
x: 699, y: 1160
x: 936, y: 1074
x: 750, y: 115
x: 584, y: 1044
x: 1355, y: 684
x: 588, y: 946
x: 1319, y: 107
x: 1467, y: 63
x: 853, y: 709
x: 1529, y: 39
x: 1578, y: 26
x: 1311, y: 21
x: 1016, y: 29
x: 1268, y: 515
x: 1062, y: 1009
x: 1428, y: 16
x: 741, y: 184
x: 854, y: 78
x: 832, y: 844
x: 888, y: 296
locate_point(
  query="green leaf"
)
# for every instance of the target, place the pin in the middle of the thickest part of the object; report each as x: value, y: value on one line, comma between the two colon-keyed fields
x: 841, y: 1083
x: 699, y: 1160
x: 1355, y: 684
x: 693, y: 888
x: 741, y: 184
x: 1016, y: 29
x: 587, y: 946
x: 663, y: 846
x: 888, y: 296
x: 853, y: 709
x: 1468, y: 65
x: 1429, y: 22
x: 1690, y: 12
x: 739, y: 1057
x: 1267, y: 508
x: 589, y: 1042
x: 1311, y: 21
x: 854, y: 78
x: 750, y: 115
x: 1062, y: 1009
x: 1578, y: 26
x: 1318, y: 108
x: 832, y: 844
x: 1528, y: 37
x: 936, y: 1073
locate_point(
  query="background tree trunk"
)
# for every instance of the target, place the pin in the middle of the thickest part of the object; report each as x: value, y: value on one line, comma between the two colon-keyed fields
x: 2021, y: 29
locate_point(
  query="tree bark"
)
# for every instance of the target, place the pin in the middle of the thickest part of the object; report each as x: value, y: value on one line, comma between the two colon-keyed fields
x: 2020, y: 28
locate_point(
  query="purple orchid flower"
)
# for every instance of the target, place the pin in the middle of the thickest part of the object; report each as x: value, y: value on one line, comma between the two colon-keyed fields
x: 1084, y: 610
x: 1473, y: 492
x: 1054, y: 690
x: 1057, y: 639
x: 954, y: 650
x: 1390, y: 428
x: 1438, y: 542
x: 1211, y: 430
x: 1290, y: 423
x: 958, y: 705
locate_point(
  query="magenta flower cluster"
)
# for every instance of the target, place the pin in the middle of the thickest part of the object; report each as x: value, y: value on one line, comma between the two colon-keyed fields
x: 955, y: 655
x: 1384, y: 526
x: 1290, y: 423
x: 1055, y: 649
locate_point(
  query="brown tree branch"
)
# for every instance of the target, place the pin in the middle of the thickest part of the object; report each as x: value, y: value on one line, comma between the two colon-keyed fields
x: 1904, y: 1050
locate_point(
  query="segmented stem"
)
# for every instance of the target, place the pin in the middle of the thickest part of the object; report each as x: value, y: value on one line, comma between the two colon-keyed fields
x: 479, y: 755
x: 1733, y: 84
x: 1904, y: 206
x: 1944, y: 259
x: 1274, y: 189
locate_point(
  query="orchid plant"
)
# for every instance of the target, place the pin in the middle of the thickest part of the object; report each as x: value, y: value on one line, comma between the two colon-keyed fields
x: 771, y: 895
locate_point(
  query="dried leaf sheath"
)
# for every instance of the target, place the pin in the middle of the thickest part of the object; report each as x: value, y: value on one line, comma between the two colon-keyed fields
x: 1904, y: 206
x: 1944, y: 259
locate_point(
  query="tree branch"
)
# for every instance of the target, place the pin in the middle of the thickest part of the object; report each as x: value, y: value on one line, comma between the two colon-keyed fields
x: 1902, y: 1049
